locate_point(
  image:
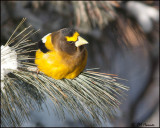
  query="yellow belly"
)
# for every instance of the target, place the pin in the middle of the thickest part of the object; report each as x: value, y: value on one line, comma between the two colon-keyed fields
x: 54, y: 65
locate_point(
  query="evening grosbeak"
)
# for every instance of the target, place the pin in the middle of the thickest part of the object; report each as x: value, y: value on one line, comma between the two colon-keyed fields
x: 62, y: 54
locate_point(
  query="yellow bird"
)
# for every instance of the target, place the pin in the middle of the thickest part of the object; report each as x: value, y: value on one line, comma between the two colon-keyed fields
x: 62, y: 54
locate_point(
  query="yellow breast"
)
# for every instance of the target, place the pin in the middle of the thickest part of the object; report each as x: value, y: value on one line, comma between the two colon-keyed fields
x: 53, y: 65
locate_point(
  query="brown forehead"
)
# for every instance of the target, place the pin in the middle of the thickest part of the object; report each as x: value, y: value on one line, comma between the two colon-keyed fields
x: 68, y: 31
x: 63, y: 32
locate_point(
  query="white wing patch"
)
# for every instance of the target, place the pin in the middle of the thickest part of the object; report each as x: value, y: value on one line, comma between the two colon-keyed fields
x: 44, y: 38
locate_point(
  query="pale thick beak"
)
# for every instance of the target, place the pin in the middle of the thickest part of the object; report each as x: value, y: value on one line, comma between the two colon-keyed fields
x: 80, y: 41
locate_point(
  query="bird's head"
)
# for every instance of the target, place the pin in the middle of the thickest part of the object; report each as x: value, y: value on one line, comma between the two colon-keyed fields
x: 73, y: 37
x: 67, y: 40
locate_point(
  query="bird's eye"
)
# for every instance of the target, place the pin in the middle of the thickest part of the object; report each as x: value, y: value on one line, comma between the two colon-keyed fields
x: 70, y: 42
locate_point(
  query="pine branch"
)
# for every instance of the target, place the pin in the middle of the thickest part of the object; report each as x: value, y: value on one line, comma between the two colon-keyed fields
x: 91, y: 95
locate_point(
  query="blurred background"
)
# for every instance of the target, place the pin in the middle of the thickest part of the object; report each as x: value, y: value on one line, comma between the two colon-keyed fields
x: 123, y: 39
